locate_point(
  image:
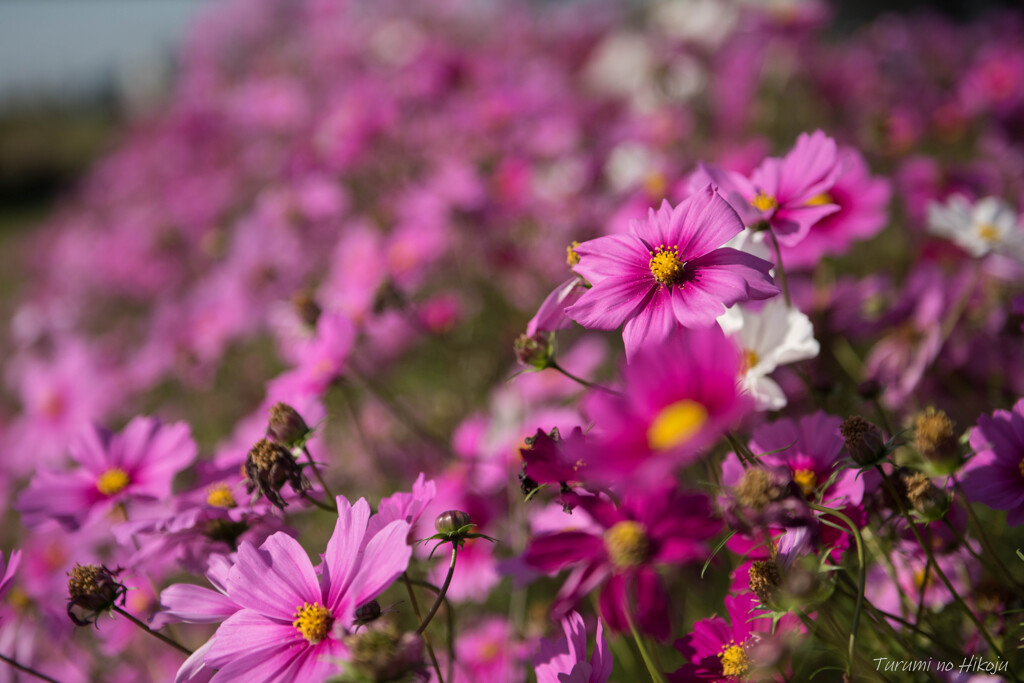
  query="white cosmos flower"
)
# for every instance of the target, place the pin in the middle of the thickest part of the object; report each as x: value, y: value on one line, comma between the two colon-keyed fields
x: 989, y: 225
x: 773, y: 336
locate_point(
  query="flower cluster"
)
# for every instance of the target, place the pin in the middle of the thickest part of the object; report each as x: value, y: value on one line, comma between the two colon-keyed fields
x: 691, y: 331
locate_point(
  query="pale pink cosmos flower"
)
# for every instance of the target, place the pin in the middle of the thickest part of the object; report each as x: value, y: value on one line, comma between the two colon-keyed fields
x: 670, y: 271
x: 291, y: 624
x: 139, y: 462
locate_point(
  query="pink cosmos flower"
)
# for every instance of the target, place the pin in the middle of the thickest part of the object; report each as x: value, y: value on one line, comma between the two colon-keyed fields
x: 678, y: 397
x: 862, y: 201
x: 670, y: 271
x: 139, y: 462
x: 565, y: 660
x: 655, y: 527
x: 789, y: 194
x: 994, y: 475
x: 291, y: 624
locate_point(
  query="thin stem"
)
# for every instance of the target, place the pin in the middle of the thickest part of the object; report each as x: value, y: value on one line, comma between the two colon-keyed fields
x: 416, y: 610
x: 861, y: 577
x: 400, y: 411
x: 580, y: 380
x: 320, y: 504
x: 319, y: 477
x: 176, y: 645
x: 782, y: 270
x: 644, y: 654
x: 926, y: 547
x: 742, y: 452
x: 28, y: 670
x: 444, y: 590
x: 451, y: 623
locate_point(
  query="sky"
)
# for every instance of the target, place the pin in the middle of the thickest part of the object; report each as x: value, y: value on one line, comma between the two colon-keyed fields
x: 55, y: 48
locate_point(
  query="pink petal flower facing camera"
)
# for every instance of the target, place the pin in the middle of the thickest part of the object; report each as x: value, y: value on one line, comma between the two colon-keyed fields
x: 670, y: 271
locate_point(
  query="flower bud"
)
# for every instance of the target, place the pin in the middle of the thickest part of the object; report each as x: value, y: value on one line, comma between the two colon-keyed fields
x: 286, y: 426
x: 451, y: 521
x: 537, y: 351
x: 93, y: 589
x: 863, y: 441
x: 368, y: 612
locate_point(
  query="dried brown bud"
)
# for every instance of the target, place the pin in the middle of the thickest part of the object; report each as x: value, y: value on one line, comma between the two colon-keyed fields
x: 925, y: 497
x: 380, y: 654
x: 764, y: 580
x: 268, y: 467
x: 934, y: 437
x: 757, y: 489
x: 94, y: 589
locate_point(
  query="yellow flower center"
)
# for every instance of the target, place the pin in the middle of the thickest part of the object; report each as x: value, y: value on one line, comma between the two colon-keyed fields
x: 627, y: 544
x: 666, y: 266
x: 750, y: 360
x: 989, y: 233
x: 219, y: 496
x: 676, y: 424
x: 112, y: 481
x: 571, y: 257
x: 806, y: 480
x: 922, y: 580
x: 820, y: 200
x: 313, y: 622
x: 763, y: 201
x: 734, y: 660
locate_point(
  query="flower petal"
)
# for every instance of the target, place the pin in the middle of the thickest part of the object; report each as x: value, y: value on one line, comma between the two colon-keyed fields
x: 275, y: 579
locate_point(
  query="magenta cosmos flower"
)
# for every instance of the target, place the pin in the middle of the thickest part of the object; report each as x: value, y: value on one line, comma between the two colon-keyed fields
x: 140, y: 462
x: 291, y: 623
x: 565, y: 660
x: 670, y: 271
x: 995, y: 475
x: 678, y: 397
x: 656, y: 527
x: 727, y: 651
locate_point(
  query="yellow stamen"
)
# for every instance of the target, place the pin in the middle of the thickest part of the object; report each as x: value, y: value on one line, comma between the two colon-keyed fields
x: 806, y: 480
x: 676, y: 424
x: 763, y: 201
x: 734, y: 660
x: 750, y: 360
x: 820, y: 200
x: 112, y: 481
x: 313, y: 622
x: 571, y: 257
x: 989, y: 233
x: 220, y: 496
x: 627, y: 544
x: 666, y: 266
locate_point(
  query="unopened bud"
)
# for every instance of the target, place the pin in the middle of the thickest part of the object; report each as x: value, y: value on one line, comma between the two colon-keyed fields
x: 286, y: 426
x: 537, y: 350
x: 451, y: 521
x: 383, y: 654
x: 863, y: 441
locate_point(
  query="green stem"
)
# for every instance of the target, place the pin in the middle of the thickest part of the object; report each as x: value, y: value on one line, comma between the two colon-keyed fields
x: 644, y: 654
x: 319, y: 504
x: 782, y: 270
x: 319, y: 477
x: 450, y: 618
x: 28, y: 670
x: 926, y: 547
x: 580, y: 380
x: 861, y: 576
x: 444, y: 589
x: 979, y: 532
x: 159, y: 636
x: 416, y: 610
